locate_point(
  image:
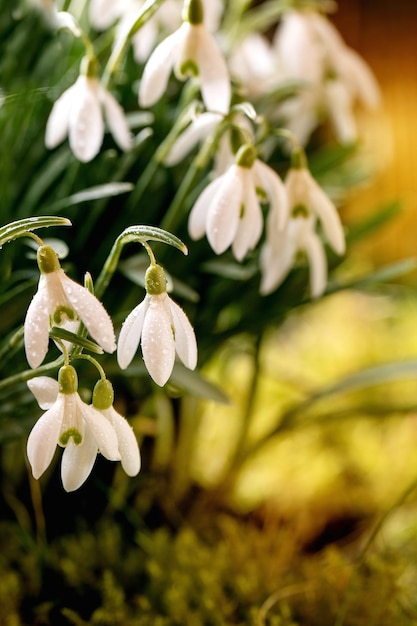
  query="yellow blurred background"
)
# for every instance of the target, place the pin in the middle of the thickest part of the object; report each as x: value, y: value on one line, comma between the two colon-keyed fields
x: 385, y: 34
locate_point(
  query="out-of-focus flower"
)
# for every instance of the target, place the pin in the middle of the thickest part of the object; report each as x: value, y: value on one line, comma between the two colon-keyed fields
x: 59, y: 299
x: 228, y: 210
x: 161, y: 327
x: 308, y: 204
x: 310, y: 49
x: 254, y: 64
x: 68, y: 422
x: 189, y: 51
x: 78, y: 113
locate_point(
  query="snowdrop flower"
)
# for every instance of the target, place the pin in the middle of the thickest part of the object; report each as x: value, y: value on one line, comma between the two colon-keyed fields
x: 103, y: 397
x: 161, y: 327
x: 71, y: 424
x: 59, y: 299
x: 310, y: 49
x: 78, y: 113
x: 308, y: 204
x: 254, y: 64
x: 189, y: 51
x: 279, y: 253
x: 228, y: 210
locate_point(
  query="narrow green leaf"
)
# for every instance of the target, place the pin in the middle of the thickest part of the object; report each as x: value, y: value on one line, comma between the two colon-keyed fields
x: 107, y: 190
x: 195, y: 384
x: 150, y: 233
x: 66, y: 335
x: 11, y: 231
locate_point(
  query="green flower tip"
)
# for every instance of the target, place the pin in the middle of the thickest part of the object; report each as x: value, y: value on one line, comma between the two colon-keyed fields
x: 47, y: 258
x: 67, y: 379
x: 103, y: 395
x: 193, y: 12
x: 298, y: 159
x: 155, y: 280
x: 246, y: 156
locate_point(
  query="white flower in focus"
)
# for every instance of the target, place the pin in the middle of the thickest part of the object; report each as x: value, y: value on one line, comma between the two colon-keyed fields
x: 162, y: 329
x: 78, y: 113
x: 59, y: 299
x: 70, y: 423
x: 228, y: 210
x: 189, y: 51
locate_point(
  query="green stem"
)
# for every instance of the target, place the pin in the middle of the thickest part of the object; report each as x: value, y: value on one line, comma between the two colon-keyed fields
x: 26, y: 375
x: 120, y: 48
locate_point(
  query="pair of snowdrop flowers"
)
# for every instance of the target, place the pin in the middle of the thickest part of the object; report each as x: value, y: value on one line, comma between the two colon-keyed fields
x: 158, y: 322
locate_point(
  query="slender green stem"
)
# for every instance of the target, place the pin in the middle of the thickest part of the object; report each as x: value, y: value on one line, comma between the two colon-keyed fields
x: 121, y: 45
x: 22, y: 377
x: 88, y: 357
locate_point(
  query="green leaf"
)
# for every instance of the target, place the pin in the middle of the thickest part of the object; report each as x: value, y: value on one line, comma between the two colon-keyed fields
x: 195, y: 384
x: 107, y: 190
x: 142, y: 234
x: 20, y: 228
x: 384, y: 275
x: 66, y: 335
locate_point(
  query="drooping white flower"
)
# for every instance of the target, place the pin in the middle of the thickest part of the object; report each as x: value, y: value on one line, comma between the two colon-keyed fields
x: 58, y: 299
x: 78, y: 113
x: 70, y: 423
x: 161, y: 327
x: 308, y: 205
x: 310, y: 49
x: 228, y: 210
x: 305, y: 194
x: 280, y: 250
x: 254, y: 65
x: 189, y: 51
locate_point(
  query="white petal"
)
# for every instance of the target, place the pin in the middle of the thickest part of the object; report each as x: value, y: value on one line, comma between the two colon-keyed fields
x: 199, y: 129
x: 158, y: 347
x: 101, y: 429
x: 116, y: 119
x: 276, y: 261
x: 130, y: 334
x: 214, y: 75
x: 128, y: 445
x: 58, y: 120
x: 360, y: 79
x: 91, y: 312
x: 45, y: 390
x: 102, y: 13
x: 297, y: 48
x: 324, y: 208
x: 251, y: 224
x: 318, y: 264
x: 78, y: 461
x: 224, y: 211
x: 86, y: 126
x: 157, y: 70
x: 43, y: 438
x: 340, y: 110
x: 185, y: 341
x: 36, y: 327
x: 272, y: 184
x: 198, y: 215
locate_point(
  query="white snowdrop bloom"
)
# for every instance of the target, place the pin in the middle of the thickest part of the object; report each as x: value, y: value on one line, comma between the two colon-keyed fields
x: 201, y: 127
x: 189, y: 51
x: 310, y: 49
x: 279, y: 253
x: 78, y: 113
x: 161, y: 327
x: 306, y: 196
x: 59, y: 299
x: 103, y: 397
x: 70, y: 423
x: 103, y: 13
x: 228, y: 210
x: 253, y: 63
